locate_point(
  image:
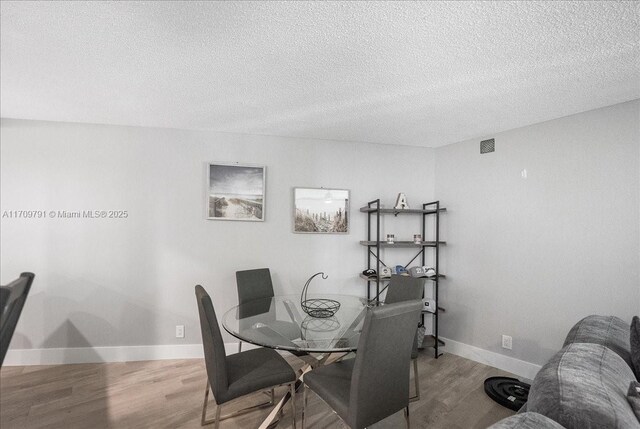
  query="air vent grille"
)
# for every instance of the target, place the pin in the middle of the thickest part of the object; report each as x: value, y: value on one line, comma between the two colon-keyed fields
x: 488, y: 146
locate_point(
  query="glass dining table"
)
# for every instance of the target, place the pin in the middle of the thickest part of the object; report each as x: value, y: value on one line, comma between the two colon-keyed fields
x: 281, y: 323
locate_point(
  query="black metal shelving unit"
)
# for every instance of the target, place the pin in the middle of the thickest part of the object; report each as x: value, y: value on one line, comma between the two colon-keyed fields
x: 374, y: 244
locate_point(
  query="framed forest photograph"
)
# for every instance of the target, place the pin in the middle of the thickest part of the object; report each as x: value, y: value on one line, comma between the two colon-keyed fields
x: 320, y: 210
x: 236, y: 192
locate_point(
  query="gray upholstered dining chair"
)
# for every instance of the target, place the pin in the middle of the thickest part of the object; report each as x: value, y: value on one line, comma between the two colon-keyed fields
x: 404, y: 288
x: 375, y: 384
x: 12, y: 300
x: 233, y: 376
x: 256, y: 285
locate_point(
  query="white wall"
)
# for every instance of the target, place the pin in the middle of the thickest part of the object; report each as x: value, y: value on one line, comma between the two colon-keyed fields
x: 530, y: 257
x: 128, y: 282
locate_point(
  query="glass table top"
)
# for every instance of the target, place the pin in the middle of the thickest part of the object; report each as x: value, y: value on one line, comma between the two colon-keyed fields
x: 281, y: 323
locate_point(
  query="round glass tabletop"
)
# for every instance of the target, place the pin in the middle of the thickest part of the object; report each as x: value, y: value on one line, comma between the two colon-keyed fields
x: 281, y: 323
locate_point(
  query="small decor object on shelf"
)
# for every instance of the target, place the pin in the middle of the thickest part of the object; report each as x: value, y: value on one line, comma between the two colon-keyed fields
x: 400, y: 270
x: 320, y: 210
x: 235, y: 192
x: 369, y: 272
x: 385, y: 273
x: 417, y: 238
x: 401, y: 202
x: 319, y: 307
x: 422, y: 272
x: 391, y: 238
x: 416, y: 272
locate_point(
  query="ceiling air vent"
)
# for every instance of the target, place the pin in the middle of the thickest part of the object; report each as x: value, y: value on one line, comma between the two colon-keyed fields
x: 487, y: 146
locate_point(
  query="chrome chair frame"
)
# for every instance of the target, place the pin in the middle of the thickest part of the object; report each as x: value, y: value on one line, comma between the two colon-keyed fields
x: 218, y: 417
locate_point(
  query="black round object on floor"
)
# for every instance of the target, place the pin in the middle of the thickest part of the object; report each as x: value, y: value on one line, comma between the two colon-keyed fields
x: 506, y: 391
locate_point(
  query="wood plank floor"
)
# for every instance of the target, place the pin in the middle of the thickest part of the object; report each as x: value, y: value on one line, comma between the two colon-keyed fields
x: 169, y: 394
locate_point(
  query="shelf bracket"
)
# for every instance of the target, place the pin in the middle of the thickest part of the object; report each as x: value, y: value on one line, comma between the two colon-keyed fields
x: 376, y: 256
x: 414, y: 258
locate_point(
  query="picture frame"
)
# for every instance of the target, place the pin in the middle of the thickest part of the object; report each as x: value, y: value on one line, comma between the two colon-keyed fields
x: 236, y: 192
x: 321, y: 211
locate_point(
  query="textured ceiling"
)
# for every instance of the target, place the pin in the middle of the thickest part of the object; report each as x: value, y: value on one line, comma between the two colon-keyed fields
x: 424, y: 74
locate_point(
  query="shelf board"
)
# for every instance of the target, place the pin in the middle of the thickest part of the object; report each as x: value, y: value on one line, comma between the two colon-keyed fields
x: 400, y: 211
x: 386, y: 279
x: 440, y: 310
x: 403, y: 243
x: 430, y: 341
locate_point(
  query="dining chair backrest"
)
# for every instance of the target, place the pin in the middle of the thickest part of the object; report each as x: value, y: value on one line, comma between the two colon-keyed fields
x: 404, y: 288
x: 380, y: 378
x: 12, y: 300
x: 214, y: 352
x: 254, y: 284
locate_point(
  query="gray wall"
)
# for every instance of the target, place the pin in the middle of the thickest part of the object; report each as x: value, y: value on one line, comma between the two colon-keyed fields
x: 129, y: 282
x: 529, y: 257
x: 526, y: 258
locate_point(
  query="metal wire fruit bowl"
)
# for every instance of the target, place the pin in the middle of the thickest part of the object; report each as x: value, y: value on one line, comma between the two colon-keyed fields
x: 320, y: 308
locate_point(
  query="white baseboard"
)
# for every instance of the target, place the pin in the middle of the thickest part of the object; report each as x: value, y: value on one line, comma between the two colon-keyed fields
x: 19, y: 357
x: 515, y: 366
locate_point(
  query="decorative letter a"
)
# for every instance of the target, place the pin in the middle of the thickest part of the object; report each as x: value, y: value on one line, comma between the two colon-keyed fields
x: 401, y: 202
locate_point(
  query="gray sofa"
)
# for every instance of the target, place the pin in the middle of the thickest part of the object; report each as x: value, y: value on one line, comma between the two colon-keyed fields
x: 584, y: 385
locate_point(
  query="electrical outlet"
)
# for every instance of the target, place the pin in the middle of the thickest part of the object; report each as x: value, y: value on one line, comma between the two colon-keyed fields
x: 507, y: 342
x: 179, y: 331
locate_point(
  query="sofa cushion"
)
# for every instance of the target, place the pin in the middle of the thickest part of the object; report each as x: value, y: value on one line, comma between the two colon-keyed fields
x: 609, y: 331
x: 635, y: 345
x: 584, y: 386
x: 633, y: 396
x: 526, y: 421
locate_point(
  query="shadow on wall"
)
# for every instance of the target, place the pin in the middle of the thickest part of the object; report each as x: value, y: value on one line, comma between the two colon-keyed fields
x: 68, y: 337
x: 98, y: 317
x: 21, y: 341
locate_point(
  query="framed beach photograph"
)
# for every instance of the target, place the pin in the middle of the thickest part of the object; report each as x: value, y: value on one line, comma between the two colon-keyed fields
x: 320, y: 211
x: 235, y: 192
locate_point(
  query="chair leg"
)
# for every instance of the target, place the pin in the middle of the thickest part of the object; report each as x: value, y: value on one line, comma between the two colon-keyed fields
x: 204, y: 406
x: 416, y: 380
x: 406, y: 416
x: 218, y: 417
x: 239, y: 346
x: 304, y: 402
x: 218, y: 410
x: 292, y: 388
